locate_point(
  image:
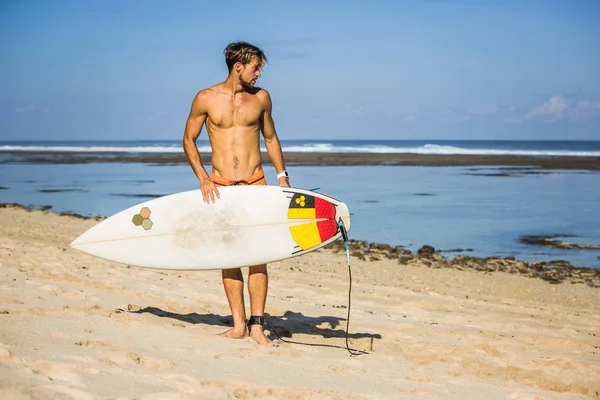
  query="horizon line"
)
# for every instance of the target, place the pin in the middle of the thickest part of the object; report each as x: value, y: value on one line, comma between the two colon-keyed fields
x: 317, y: 140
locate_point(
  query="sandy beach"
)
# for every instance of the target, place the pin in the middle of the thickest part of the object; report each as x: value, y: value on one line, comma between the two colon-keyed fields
x: 77, y: 327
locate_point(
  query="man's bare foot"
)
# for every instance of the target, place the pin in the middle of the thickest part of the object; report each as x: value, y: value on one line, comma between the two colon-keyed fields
x: 256, y: 333
x: 236, y: 333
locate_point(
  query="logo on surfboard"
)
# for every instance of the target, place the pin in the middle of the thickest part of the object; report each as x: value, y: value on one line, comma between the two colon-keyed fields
x: 143, y: 219
x: 311, y: 234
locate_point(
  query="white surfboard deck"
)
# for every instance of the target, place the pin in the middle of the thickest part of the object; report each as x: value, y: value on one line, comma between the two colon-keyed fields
x: 248, y: 225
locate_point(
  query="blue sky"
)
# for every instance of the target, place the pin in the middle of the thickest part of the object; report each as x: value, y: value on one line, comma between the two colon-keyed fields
x: 337, y: 69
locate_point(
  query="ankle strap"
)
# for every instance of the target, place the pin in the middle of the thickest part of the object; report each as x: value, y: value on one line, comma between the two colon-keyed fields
x: 256, y: 320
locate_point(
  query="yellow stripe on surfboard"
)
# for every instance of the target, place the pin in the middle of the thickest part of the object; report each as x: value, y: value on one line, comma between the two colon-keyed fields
x: 306, y: 235
x: 295, y: 213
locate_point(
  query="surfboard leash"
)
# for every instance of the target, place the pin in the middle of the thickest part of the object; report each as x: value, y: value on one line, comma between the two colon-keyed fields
x: 353, y: 352
x: 342, y: 228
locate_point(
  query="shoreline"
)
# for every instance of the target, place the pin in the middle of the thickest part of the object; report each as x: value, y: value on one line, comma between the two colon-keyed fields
x: 318, y: 159
x: 553, y: 272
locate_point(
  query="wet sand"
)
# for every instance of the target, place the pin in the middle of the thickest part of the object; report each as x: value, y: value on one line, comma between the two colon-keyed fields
x: 74, y: 326
x: 319, y: 159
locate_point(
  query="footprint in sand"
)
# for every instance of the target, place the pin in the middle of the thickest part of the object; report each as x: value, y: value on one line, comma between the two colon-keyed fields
x: 124, y: 359
x: 96, y: 343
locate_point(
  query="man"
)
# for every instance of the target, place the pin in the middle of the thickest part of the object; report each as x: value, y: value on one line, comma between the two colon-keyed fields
x: 235, y: 112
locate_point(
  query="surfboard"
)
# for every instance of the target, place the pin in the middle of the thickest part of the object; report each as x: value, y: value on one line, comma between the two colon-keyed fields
x: 247, y: 225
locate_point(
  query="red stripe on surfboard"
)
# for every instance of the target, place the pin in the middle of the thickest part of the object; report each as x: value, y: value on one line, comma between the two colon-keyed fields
x: 327, y: 229
x: 324, y: 209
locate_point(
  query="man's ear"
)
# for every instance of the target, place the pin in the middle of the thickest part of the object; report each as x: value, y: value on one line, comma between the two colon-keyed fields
x: 238, y: 67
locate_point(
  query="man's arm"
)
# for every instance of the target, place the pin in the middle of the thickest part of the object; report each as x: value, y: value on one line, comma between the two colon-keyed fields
x: 271, y: 139
x: 193, y: 128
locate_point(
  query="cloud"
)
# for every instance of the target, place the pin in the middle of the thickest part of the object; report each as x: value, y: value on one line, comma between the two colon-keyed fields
x: 560, y: 107
x: 553, y: 108
x: 573, y: 109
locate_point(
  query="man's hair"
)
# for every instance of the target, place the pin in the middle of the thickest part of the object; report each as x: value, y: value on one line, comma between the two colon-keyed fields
x: 242, y: 52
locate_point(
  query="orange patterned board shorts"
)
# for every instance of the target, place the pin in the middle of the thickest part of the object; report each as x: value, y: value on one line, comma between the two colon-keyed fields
x: 257, y: 178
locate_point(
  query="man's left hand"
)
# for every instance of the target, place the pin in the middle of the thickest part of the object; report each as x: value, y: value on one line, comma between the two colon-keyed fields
x: 285, y: 182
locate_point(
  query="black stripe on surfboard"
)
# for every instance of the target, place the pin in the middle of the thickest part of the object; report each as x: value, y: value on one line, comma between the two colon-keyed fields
x: 294, y: 193
x: 320, y: 245
x: 320, y: 194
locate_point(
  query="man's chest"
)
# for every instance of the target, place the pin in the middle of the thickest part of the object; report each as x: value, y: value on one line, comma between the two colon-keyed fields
x: 243, y: 111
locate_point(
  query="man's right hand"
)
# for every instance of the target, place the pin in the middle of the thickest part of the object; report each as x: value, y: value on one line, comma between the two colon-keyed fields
x: 209, y: 190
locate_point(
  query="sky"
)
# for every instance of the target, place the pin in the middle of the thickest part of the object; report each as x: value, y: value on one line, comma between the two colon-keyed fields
x: 429, y: 69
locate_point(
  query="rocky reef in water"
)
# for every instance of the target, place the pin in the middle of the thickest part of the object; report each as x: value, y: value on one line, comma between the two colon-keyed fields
x: 551, y: 242
x: 554, y: 272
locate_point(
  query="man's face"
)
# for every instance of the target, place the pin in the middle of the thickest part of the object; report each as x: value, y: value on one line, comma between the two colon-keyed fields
x: 250, y: 72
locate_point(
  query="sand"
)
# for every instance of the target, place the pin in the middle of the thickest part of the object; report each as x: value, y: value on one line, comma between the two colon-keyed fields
x: 77, y: 327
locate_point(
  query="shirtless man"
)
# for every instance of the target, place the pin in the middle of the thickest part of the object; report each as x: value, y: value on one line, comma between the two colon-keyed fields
x: 235, y: 112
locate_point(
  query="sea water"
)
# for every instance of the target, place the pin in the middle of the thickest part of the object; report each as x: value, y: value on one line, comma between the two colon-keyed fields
x: 434, y: 147
x: 484, y: 210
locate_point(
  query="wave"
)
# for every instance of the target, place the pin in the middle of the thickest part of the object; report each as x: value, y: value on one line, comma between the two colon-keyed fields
x: 427, y: 149
x: 434, y: 149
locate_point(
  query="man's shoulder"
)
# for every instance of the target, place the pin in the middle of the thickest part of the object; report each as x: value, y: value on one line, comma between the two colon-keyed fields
x: 204, y: 97
x: 261, y: 93
x: 208, y: 92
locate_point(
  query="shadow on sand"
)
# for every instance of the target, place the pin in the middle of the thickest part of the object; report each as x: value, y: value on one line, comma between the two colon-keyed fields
x: 281, y: 327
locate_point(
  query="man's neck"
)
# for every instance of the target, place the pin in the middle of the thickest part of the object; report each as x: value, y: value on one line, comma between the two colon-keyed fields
x: 233, y: 85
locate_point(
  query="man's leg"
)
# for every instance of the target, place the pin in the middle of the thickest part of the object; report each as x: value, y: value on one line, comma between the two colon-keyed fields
x: 258, y: 282
x: 233, y: 282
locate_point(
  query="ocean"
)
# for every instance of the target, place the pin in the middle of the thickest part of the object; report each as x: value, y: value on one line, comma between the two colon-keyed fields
x: 434, y: 147
x: 481, y: 211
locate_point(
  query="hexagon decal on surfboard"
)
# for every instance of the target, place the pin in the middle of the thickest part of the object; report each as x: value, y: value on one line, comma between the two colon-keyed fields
x: 143, y: 219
